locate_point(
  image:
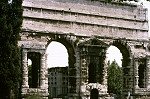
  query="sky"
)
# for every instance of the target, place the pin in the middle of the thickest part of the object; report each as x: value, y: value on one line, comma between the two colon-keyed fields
x: 58, y: 55
x: 113, y: 53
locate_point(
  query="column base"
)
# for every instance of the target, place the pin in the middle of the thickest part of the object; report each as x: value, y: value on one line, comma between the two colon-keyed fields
x: 136, y: 87
x: 36, y: 92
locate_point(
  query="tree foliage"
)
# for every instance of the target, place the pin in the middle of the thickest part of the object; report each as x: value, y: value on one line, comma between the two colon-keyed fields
x: 115, y: 79
x: 10, y: 26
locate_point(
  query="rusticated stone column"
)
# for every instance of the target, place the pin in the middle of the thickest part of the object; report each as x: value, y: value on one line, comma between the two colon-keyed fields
x: 25, y: 69
x: 105, y: 73
x: 42, y: 71
x: 46, y: 74
x: 148, y: 72
x: 78, y: 75
x: 136, y: 74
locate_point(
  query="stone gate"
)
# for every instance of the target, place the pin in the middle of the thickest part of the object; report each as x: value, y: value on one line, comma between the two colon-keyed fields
x: 86, y: 28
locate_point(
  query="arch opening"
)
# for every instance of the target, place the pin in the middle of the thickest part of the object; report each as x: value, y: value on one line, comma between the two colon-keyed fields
x: 122, y: 55
x: 57, y: 61
x: 60, y: 61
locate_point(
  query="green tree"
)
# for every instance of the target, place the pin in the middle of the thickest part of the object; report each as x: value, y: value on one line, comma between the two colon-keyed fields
x: 115, y: 78
x: 10, y: 26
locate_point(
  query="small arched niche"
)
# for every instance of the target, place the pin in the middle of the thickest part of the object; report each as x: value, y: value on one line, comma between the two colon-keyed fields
x: 94, y: 94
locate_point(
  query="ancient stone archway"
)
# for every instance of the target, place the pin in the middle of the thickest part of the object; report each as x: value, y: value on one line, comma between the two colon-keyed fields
x: 87, y: 29
x: 71, y: 61
x: 126, y: 63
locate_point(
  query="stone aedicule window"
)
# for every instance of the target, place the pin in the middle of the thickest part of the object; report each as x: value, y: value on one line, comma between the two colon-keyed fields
x: 142, y: 73
x: 34, y: 69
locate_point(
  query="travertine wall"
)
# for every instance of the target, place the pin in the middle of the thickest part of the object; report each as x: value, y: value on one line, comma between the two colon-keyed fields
x: 86, y: 18
x: 72, y: 22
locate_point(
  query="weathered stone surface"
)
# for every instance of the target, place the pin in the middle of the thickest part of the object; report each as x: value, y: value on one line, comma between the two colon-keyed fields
x: 86, y: 18
x: 79, y: 22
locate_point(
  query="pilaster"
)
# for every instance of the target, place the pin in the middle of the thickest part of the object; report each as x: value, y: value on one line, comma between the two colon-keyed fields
x: 25, y: 85
x: 46, y: 73
x: 24, y: 69
x: 42, y: 71
x: 78, y: 72
x: 105, y: 73
x: 136, y: 73
x: 148, y: 72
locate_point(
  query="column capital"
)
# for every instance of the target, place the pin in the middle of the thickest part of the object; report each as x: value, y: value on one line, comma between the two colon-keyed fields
x: 24, y: 50
x: 42, y: 52
x: 148, y: 72
x: 148, y: 57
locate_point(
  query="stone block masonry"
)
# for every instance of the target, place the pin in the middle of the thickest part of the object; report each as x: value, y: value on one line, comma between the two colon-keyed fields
x: 86, y: 28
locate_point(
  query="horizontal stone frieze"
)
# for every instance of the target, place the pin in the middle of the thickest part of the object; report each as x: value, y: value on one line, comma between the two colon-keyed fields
x: 83, y: 29
x: 87, y: 19
x: 117, y: 11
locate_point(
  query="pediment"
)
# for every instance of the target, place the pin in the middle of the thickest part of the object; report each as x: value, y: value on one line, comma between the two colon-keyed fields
x: 93, y: 42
